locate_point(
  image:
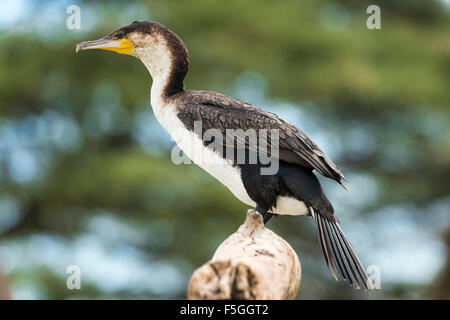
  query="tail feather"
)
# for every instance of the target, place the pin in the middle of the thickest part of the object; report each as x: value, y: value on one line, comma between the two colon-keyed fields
x: 339, y: 254
x: 362, y: 273
x: 350, y: 267
x: 337, y: 251
x: 324, y: 244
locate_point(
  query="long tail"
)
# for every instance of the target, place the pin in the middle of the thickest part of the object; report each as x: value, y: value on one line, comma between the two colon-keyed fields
x: 339, y: 254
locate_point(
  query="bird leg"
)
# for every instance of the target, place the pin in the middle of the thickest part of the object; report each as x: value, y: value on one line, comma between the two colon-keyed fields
x: 266, y: 215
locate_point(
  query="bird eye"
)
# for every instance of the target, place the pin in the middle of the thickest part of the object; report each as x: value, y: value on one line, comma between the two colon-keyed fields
x: 120, y: 35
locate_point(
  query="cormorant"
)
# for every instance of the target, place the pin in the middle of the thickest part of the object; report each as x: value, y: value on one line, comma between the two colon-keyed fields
x: 292, y: 189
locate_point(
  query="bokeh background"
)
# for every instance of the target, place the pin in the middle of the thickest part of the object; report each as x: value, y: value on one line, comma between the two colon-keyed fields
x: 85, y: 172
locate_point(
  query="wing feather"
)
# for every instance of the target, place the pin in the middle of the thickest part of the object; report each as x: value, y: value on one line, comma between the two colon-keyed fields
x: 217, y: 111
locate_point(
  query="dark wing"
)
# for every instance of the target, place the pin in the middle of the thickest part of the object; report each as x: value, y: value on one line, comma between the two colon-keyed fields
x: 220, y: 112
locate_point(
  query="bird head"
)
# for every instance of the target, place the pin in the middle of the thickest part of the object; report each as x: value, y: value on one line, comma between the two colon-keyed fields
x: 160, y: 49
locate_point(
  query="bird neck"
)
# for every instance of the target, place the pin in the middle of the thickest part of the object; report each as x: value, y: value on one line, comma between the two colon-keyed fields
x: 167, y: 69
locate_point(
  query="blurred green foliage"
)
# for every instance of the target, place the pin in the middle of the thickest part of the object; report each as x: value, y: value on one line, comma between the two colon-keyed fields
x: 78, y: 139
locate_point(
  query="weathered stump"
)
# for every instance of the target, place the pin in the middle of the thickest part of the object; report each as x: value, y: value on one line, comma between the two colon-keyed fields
x: 253, y: 263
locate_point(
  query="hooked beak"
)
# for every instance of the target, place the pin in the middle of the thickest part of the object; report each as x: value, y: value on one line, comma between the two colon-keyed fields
x: 123, y: 46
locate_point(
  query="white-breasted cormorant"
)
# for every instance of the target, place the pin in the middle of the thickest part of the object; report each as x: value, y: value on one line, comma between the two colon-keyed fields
x: 293, y: 189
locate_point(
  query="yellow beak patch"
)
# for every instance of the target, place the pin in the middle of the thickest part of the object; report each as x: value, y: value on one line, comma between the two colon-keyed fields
x: 125, y: 47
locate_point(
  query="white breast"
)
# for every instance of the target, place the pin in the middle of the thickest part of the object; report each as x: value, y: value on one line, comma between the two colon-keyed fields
x: 208, y: 160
